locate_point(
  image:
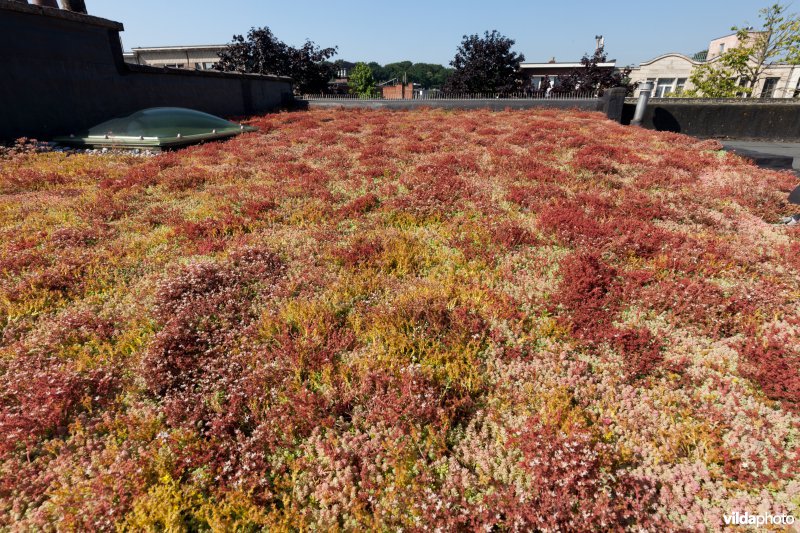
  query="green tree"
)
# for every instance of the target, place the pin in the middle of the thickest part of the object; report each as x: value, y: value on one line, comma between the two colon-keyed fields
x: 429, y: 75
x: 398, y: 70
x: 718, y: 79
x: 778, y: 40
x: 378, y: 72
x: 361, y: 81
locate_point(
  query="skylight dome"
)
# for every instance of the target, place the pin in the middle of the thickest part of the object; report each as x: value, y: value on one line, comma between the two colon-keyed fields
x: 157, y: 127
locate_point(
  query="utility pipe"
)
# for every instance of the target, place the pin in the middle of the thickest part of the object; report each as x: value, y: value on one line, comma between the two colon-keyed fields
x: 641, y: 105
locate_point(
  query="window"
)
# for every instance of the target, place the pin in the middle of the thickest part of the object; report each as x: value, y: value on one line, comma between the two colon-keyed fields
x: 204, y: 66
x: 680, y: 86
x: 174, y: 65
x: 797, y: 90
x: 741, y: 82
x: 721, y: 48
x: 664, y: 86
x: 769, y: 87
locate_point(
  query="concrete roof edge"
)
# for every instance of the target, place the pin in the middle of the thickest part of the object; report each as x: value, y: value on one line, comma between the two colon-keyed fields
x: 569, y: 64
x: 712, y: 60
x: 750, y: 32
x: 215, y: 73
x: 178, y: 47
x: 668, y: 54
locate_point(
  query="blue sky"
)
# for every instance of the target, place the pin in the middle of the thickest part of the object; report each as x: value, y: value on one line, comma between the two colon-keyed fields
x: 430, y: 30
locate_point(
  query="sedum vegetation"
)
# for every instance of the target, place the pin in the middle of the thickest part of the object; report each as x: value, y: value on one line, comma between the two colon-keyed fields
x: 372, y: 320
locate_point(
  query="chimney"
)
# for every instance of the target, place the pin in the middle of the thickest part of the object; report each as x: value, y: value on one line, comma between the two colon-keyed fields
x: 78, y: 6
x: 45, y: 3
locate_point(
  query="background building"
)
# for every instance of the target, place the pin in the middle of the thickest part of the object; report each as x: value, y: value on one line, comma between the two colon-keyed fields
x: 537, y: 72
x: 201, y: 57
x: 670, y: 72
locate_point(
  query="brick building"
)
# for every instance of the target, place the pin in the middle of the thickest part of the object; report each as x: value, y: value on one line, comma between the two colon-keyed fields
x: 398, y: 92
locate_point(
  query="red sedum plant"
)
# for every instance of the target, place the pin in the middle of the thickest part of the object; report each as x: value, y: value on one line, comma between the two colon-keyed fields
x: 374, y: 320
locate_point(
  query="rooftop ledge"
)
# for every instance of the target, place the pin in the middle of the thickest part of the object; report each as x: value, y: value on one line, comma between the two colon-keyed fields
x: 179, y: 47
x: 8, y: 5
x: 718, y: 101
x: 152, y: 69
x: 564, y: 65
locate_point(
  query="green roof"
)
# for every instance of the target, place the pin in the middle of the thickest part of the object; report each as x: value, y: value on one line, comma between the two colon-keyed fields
x: 157, y: 127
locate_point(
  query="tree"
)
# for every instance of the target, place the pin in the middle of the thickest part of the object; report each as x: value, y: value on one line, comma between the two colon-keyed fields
x: 778, y: 40
x: 593, y: 78
x: 263, y: 53
x: 718, y: 79
x: 738, y: 70
x: 398, y: 70
x: 485, y: 64
x: 428, y: 75
x: 378, y: 72
x: 361, y: 81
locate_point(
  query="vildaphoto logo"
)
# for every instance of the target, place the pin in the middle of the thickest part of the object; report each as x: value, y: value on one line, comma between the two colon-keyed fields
x: 747, y: 519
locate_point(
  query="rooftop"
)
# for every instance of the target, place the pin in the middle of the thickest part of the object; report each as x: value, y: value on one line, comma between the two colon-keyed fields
x: 578, y: 64
x: 187, y: 47
x: 464, y: 294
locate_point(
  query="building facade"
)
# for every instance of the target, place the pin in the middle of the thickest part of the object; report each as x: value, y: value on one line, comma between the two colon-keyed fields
x: 538, y: 72
x: 670, y: 73
x: 400, y: 91
x: 201, y: 57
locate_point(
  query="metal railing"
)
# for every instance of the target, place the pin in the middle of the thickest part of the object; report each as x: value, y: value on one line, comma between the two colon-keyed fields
x: 537, y: 95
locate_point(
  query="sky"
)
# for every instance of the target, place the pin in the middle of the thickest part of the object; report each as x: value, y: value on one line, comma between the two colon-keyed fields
x: 429, y: 31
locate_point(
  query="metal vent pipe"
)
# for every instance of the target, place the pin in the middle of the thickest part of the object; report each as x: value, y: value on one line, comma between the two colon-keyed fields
x: 641, y: 104
x: 78, y: 6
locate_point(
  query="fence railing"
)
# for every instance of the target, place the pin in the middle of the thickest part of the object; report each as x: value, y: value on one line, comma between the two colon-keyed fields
x: 537, y: 95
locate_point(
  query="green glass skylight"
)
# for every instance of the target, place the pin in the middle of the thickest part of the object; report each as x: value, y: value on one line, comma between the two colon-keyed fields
x: 157, y: 127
